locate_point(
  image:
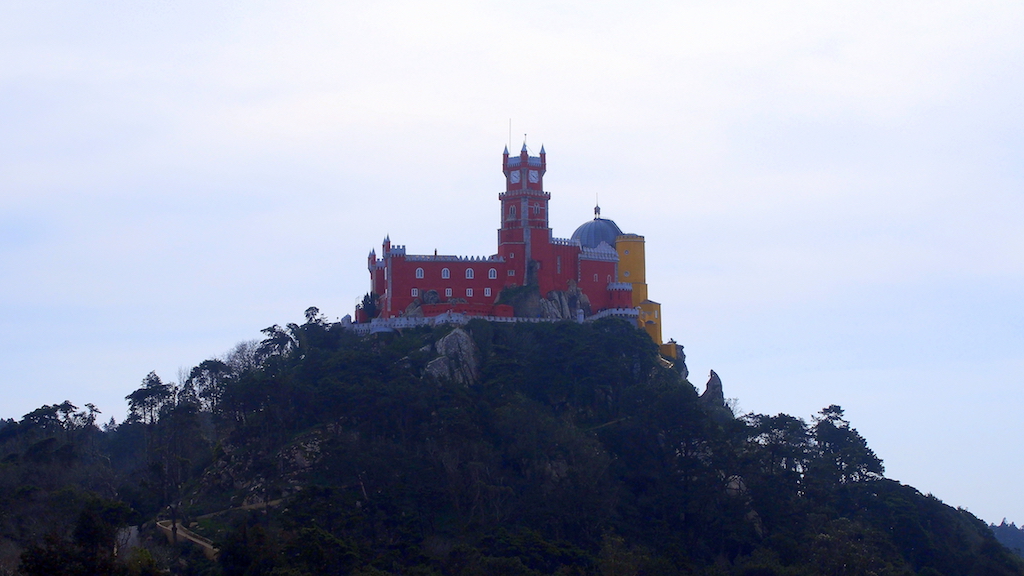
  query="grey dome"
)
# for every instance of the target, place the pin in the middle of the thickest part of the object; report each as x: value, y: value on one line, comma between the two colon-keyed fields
x: 596, y: 231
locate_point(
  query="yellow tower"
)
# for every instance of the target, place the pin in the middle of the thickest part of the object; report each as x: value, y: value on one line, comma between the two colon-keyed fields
x: 633, y: 270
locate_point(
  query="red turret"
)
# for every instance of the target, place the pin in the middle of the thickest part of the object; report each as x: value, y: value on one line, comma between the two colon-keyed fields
x: 524, y: 238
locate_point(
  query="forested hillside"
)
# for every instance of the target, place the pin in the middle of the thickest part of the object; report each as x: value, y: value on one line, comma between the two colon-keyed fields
x: 1010, y: 536
x: 547, y: 448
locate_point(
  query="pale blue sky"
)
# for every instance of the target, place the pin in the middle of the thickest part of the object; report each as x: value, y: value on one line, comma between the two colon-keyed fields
x: 832, y: 195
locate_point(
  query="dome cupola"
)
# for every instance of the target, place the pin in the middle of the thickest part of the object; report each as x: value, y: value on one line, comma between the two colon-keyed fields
x: 598, y: 230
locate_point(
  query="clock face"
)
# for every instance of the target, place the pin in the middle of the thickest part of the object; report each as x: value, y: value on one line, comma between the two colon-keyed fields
x: 534, y: 176
x: 514, y: 177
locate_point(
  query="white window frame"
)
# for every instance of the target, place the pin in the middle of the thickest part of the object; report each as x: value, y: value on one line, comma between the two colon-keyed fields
x: 445, y: 273
x: 447, y: 292
x: 469, y: 292
x: 419, y: 272
x: 487, y: 292
x: 415, y: 292
x: 469, y: 273
x: 492, y: 274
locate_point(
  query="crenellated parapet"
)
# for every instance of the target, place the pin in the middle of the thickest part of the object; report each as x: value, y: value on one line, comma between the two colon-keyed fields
x: 565, y: 242
x: 602, y: 252
x: 451, y: 258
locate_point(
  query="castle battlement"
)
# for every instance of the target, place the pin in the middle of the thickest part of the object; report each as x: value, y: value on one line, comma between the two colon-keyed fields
x: 450, y: 258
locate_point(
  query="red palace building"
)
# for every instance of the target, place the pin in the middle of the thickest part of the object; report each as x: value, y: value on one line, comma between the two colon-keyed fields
x: 599, y: 271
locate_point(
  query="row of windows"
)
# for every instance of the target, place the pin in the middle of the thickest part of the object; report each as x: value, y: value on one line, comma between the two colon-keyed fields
x: 534, y: 208
x: 448, y: 292
x: 446, y: 273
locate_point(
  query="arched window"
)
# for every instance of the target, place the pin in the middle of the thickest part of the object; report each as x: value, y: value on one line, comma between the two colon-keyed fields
x: 512, y: 212
x: 446, y: 273
x: 469, y: 273
x: 492, y: 273
x: 419, y: 272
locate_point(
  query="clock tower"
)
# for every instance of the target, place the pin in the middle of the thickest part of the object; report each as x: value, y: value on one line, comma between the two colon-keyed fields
x: 524, y: 237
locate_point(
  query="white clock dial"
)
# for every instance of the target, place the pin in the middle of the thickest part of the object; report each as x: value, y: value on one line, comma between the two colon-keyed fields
x: 514, y: 177
x: 534, y: 176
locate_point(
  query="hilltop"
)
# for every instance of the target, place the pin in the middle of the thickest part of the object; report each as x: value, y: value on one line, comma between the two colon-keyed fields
x: 526, y: 448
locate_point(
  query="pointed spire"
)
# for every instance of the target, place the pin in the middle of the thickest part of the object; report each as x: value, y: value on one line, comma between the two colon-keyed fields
x: 542, y: 152
x: 524, y: 145
x: 506, y: 151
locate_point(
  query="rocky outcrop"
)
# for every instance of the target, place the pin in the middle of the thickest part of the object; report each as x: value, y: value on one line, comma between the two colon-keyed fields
x: 458, y: 358
x: 414, y: 309
x: 713, y: 394
x: 524, y: 300
x: 679, y: 362
x: 713, y: 399
x: 566, y: 304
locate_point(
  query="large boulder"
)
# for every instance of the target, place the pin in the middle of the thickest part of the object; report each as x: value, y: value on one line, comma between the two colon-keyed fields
x: 458, y: 358
x: 431, y: 297
x: 524, y: 300
x: 414, y: 309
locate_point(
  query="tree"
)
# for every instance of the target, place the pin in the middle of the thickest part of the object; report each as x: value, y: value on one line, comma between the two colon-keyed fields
x: 842, y: 454
x: 44, y: 417
x: 369, y: 304
x: 90, y: 552
x: 208, y: 380
x: 313, y: 315
x: 785, y: 442
x: 277, y: 343
x: 243, y: 358
x: 145, y: 403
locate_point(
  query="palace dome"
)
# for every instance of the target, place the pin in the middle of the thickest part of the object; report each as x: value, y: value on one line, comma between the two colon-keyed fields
x: 596, y: 231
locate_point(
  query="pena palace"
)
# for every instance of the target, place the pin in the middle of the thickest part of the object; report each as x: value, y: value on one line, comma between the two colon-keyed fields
x: 598, y: 272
